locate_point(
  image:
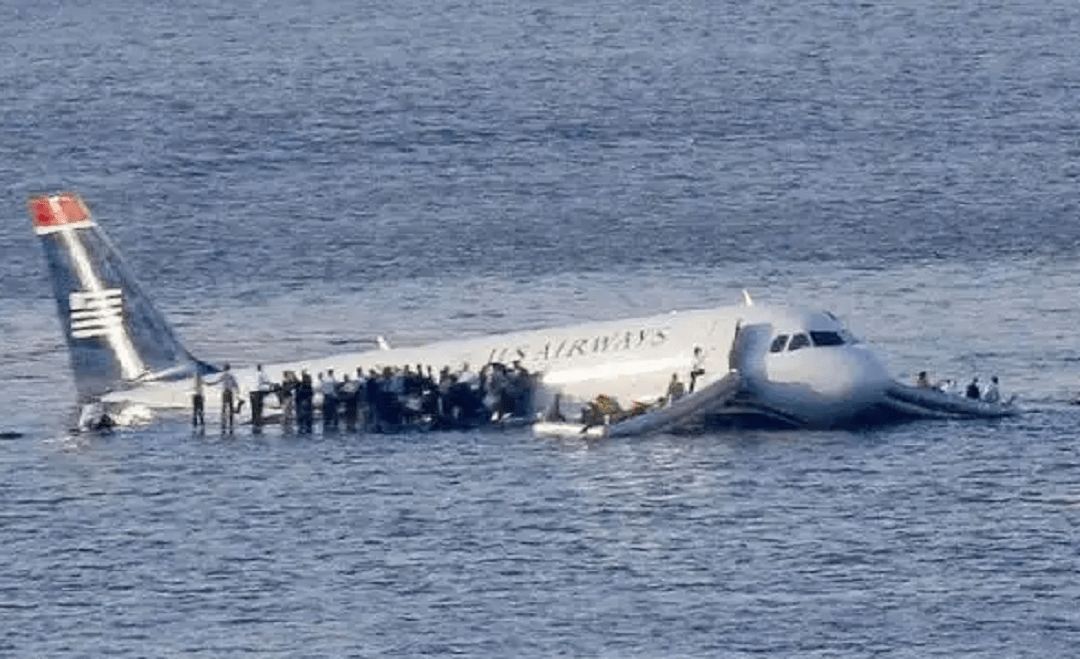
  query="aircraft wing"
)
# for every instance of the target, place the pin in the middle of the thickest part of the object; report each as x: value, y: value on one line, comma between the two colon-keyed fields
x: 926, y: 403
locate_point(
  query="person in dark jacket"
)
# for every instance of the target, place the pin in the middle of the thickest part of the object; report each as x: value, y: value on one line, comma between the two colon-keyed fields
x: 305, y: 394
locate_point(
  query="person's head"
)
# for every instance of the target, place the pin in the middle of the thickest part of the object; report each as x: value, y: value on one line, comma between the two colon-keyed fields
x: 258, y: 367
x: 225, y: 367
x: 994, y: 379
x: 922, y: 375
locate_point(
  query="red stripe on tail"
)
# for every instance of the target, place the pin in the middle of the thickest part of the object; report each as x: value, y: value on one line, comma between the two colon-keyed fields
x: 68, y: 209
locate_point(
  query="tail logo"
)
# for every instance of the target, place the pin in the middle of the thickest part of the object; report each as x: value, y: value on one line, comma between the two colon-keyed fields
x: 96, y: 313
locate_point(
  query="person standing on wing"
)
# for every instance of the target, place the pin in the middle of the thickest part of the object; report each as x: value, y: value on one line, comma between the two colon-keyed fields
x: 229, y: 390
x: 675, y: 390
x: 258, y: 395
x: 697, y: 367
x: 330, y: 401
x: 198, y: 418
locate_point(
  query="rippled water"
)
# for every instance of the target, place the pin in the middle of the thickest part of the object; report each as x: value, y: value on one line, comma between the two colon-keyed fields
x: 296, y: 179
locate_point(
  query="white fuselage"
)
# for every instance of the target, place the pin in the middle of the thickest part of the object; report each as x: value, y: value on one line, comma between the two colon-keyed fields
x: 633, y: 359
x: 796, y: 366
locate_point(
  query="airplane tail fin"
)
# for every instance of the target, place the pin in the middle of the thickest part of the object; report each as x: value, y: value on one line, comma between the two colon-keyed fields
x: 115, y: 335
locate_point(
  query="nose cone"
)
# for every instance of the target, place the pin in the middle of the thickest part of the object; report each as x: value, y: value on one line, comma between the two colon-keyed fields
x: 851, y: 372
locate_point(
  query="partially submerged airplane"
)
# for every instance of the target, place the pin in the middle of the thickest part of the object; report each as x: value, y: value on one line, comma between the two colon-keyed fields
x: 756, y: 363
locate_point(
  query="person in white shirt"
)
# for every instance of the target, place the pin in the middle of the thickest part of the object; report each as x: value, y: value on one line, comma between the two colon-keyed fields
x: 697, y: 367
x: 465, y: 376
x: 229, y: 389
x: 992, y: 395
x: 330, y: 401
x: 259, y: 394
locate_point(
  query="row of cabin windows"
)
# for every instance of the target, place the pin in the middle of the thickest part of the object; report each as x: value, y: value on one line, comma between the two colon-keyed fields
x: 818, y: 339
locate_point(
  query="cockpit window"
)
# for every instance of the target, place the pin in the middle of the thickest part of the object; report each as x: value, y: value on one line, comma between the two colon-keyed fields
x: 798, y: 341
x: 778, y: 343
x: 827, y: 338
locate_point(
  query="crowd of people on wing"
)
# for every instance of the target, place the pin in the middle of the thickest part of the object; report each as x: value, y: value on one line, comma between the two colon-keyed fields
x: 990, y: 395
x: 386, y: 400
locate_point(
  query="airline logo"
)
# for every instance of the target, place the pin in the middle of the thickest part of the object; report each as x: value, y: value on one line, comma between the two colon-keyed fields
x: 96, y: 313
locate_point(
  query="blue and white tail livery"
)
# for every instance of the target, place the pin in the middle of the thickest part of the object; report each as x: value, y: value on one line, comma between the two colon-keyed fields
x: 753, y: 362
x: 115, y: 335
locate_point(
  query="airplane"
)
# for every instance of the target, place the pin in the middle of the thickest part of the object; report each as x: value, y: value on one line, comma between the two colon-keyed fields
x: 753, y: 363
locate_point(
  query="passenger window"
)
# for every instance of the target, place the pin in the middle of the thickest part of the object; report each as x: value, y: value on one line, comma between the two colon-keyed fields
x: 827, y: 338
x: 799, y: 341
x: 778, y: 343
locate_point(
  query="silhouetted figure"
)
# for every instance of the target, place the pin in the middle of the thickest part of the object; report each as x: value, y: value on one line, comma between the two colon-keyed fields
x: 371, y: 400
x: 973, y: 389
x: 94, y: 417
x: 675, y: 389
x: 305, y: 412
x: 198, y: 402
x: 349, y: 394
x: 554, y: 413
x: 286, y: 398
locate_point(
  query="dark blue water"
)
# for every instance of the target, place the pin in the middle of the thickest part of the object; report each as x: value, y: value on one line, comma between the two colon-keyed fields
x: 297, y: 178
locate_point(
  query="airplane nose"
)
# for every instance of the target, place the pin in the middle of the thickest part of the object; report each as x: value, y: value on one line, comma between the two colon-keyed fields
x: 870, y: 374
x: 852, y: 372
